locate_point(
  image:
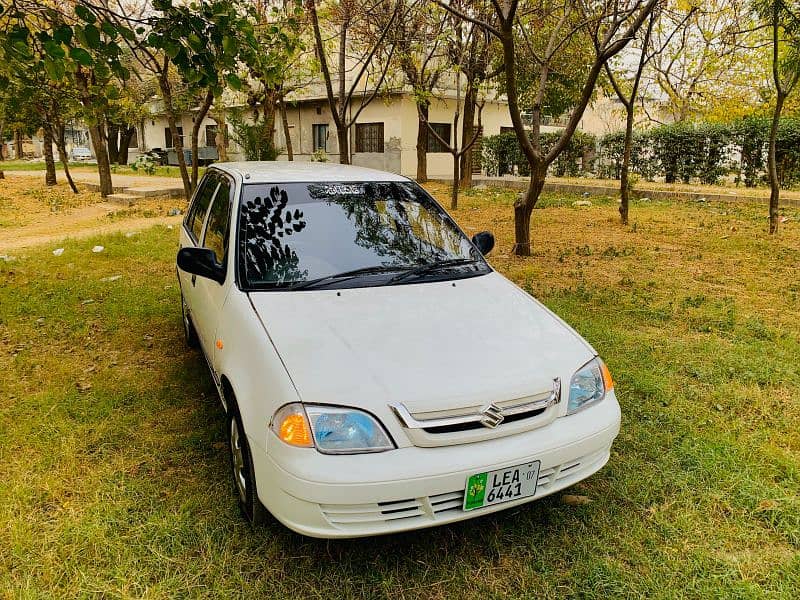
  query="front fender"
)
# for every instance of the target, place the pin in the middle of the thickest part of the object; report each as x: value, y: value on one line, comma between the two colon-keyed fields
x: 250, y: 362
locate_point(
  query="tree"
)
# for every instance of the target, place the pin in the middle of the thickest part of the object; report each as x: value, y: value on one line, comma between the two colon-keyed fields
x: 78, y: 45
x: 360, y: 39
x: 609, y: 25
x: 784, y: 26
x: 276, y: 69
x: 461, y: 46
x: 419, y: 51
x: 203, y: 43
x: 646, y: 52
x: 708, y: 64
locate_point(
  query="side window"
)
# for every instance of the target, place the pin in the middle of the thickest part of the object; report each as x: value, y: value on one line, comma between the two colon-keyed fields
x: 199, y: 208
x: 219, y: 218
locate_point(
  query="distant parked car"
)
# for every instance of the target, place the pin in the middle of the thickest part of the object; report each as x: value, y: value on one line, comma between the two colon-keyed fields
x: 377, y: 374
x: 81, y: 154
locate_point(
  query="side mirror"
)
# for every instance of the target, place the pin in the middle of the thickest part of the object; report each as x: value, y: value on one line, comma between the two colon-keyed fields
x: 201, y: 262
x: 484, y: 241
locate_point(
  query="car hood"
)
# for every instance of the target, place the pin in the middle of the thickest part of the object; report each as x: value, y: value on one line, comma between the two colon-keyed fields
x: 432, y: 346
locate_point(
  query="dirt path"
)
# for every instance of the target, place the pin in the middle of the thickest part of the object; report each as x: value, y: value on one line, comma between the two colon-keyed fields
x: 80, y: 224
x: 117, y: 179
x: 32, y: 215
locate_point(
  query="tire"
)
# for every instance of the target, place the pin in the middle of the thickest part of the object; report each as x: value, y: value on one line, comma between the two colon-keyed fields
x: 244, y: 477
x: 189, y: 332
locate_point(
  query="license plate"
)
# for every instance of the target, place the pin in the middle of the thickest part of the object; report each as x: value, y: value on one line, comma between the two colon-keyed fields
x: 503, y: 485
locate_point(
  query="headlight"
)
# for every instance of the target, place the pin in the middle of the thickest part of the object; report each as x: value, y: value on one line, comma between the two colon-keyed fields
x: 588, y: 385
x: 331, y: 429
x: 346, y: 430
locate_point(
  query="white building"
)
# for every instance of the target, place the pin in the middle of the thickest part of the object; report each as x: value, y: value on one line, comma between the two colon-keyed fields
x: 384, y: 136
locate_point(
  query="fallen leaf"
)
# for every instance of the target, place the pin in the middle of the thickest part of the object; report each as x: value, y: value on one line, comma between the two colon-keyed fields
x: 575, y: 500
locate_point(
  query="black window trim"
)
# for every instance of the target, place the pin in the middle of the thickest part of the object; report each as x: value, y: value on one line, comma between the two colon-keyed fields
x: 231, y: 195
x: 186, y: 226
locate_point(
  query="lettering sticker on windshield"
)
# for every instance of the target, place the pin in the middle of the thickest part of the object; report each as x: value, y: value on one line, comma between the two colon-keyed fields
x: 340, y: 189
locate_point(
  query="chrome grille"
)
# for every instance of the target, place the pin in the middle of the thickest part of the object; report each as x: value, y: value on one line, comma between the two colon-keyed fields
x: 475, y: 423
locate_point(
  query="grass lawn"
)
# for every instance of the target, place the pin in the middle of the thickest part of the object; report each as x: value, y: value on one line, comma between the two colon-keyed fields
x: 114, y: 478
x: 83, y: 167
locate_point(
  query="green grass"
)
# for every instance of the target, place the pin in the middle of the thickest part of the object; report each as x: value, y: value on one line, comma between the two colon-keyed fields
x: 35, y: 165
x: 28, y: 165
x: 114, y: 478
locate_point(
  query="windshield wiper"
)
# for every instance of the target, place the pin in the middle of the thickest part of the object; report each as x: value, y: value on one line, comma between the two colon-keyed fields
x: 423, y: 269
x: 302, y: 285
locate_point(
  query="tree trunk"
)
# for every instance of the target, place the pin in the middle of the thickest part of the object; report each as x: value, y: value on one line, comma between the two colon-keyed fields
x: 286, y: 133
x: 47, y: 151
x: 17, y: 144
x: 523, y: 208
x: 198, y: 121
x: 454, y: 189
x: 61, y: 144
x: 96, y: 134
x: 103, y: 164
x: 269, y: 151
x: 344, y: 146
x: 177, y: 142
x: 467, y: 132
x: 124, y: 143
x: 422, y: 142
x: 772, y: 169
x: 221, y: 139
x: 113, y: 143
x: 624, y: 189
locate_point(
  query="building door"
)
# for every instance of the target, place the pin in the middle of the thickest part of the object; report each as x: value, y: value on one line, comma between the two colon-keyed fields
x: 477, y: 153
x: 168, y: 136
x: 320, y: 136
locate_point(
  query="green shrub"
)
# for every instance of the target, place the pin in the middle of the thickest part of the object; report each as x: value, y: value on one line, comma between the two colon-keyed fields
x: 502, y: 154
x: 252, y: 137
x: 705, y: 152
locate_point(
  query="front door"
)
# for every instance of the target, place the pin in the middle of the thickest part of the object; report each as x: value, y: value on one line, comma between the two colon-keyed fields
x: 208, y: 296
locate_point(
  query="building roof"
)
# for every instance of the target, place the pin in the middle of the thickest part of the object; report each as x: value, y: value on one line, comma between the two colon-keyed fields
x: 299, y: 172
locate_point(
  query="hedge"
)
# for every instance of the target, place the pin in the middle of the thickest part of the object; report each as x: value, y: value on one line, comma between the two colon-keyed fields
x: 705, y: 152
x: 502, y: 154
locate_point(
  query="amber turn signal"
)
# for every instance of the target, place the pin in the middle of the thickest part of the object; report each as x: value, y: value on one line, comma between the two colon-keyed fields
x: 608, y: 381
x: 291, y: 426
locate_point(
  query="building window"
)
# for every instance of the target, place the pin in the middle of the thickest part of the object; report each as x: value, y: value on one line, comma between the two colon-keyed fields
x: 211, y: 135
x: 369, y: 137
x: 168, y: 136
x: 443, y: 130
x: 320, y: 134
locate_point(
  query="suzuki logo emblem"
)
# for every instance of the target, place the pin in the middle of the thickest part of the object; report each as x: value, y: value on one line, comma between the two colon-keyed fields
x: 492, y: 416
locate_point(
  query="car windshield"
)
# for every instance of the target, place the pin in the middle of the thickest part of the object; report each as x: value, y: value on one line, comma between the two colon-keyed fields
x: 303, y: 234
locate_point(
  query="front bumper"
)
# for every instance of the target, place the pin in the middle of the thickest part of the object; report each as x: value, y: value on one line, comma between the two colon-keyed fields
x: 330, y: 496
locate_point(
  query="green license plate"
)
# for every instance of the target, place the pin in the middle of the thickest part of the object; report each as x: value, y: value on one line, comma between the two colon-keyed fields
x: 502, y: 485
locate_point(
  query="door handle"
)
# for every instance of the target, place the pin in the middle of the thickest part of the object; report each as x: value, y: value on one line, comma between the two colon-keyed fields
x: 194, y: 279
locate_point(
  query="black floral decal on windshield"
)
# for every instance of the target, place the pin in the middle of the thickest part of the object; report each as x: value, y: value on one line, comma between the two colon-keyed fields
x: 268, y: 225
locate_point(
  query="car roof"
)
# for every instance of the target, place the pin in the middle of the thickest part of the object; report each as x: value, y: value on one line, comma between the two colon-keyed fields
x: 300, y: 172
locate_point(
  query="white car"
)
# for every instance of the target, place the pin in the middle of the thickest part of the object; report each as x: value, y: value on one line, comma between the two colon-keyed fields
x: 81, y: 154
x: 377, y: 374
